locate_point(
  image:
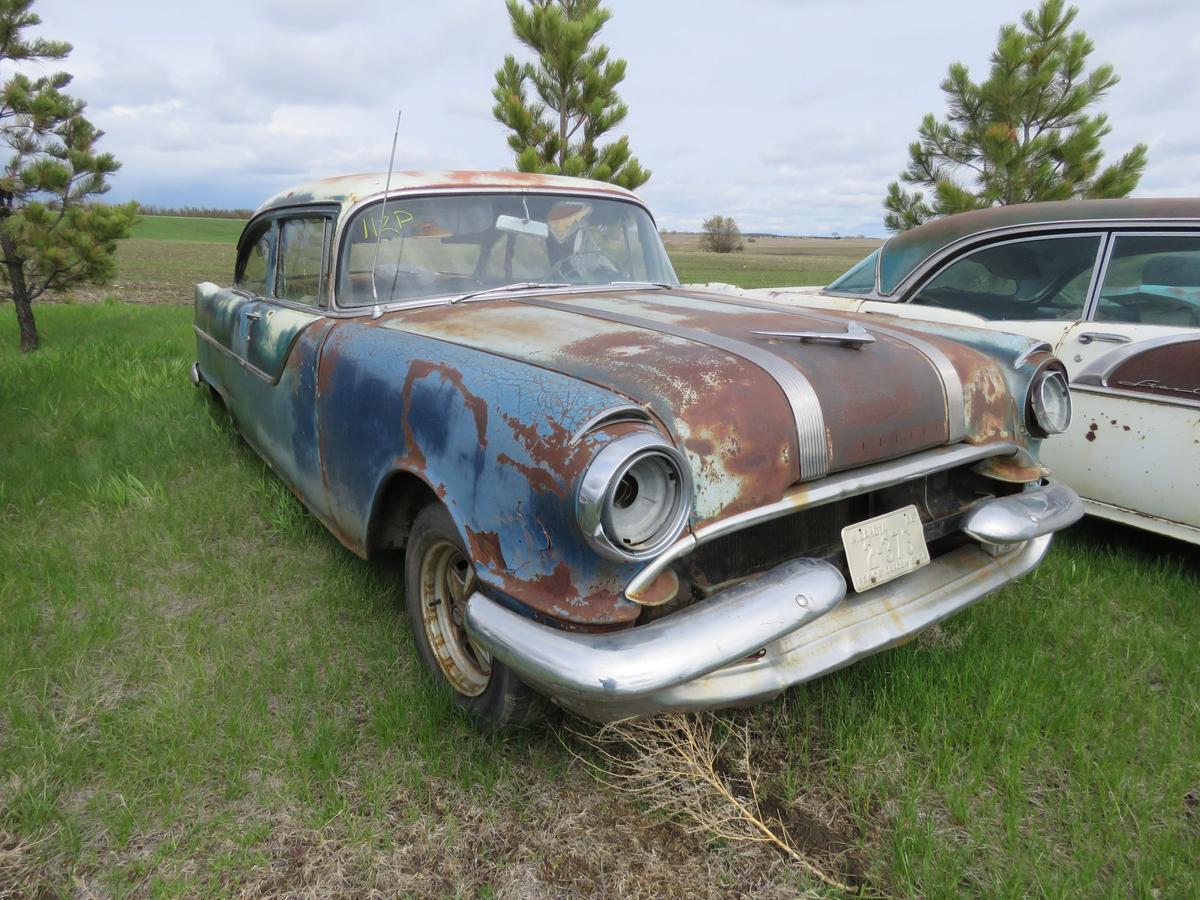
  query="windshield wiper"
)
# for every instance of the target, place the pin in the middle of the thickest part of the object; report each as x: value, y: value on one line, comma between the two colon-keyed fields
x: 645, y: 284
x: 515, y: 286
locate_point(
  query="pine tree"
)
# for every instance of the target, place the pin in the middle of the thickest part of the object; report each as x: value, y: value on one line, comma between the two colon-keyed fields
x: 52, y: 236
x: 575, y: 102
x: 1023, y: 135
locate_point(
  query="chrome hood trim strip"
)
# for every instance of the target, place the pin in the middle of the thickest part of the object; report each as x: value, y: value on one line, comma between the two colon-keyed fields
x: 813, y: 449
x: 956, y: 415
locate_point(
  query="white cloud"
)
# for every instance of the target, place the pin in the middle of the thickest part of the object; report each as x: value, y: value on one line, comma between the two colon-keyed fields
x: 790, y: 116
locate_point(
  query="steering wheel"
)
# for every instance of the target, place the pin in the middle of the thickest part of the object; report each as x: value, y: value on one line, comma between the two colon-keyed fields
x: 581, y: 267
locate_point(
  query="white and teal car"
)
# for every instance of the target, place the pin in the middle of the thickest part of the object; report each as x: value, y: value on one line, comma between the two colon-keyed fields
x: 1112, y: 287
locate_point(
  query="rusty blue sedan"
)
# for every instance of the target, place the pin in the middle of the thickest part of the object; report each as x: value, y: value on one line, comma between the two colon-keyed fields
x: 614, y: 493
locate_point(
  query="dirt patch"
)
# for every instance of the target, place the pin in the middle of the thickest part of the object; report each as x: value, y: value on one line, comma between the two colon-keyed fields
x: 539, y: 838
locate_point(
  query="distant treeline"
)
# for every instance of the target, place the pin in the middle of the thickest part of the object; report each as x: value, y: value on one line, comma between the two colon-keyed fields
x: 194, y: 212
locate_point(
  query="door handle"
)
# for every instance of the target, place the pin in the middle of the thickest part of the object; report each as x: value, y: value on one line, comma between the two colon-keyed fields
x: 1088, y: 336
x: 257, y: 315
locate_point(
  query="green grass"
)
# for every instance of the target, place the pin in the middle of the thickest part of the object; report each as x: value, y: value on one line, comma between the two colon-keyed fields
x: 767, y: 262
x: 189, y: 228
x: 202, y: 692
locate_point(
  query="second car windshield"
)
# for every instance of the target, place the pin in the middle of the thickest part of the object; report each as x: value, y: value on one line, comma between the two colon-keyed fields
x: 420, y: 247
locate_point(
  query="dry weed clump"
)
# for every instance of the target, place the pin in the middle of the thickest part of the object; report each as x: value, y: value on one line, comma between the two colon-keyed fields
x: 697, y: 770
x: 21, y: 874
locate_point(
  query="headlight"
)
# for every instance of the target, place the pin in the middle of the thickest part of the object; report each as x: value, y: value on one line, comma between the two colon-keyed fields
x: 1049, y: 409
x: 635, y: 497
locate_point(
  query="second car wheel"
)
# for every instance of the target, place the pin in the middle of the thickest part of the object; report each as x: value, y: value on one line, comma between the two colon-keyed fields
x: 438, y: 580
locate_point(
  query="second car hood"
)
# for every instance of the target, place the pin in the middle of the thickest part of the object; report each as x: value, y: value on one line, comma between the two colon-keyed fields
x: 754, y: 413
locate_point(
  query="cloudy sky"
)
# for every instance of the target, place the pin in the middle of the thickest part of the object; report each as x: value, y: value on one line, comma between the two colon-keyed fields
x: 790, y: 115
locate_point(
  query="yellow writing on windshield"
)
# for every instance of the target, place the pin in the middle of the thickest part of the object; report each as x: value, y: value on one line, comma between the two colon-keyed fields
x: 393, y: 223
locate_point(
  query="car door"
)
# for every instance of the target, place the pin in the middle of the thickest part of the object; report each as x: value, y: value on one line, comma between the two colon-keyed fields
x: 275, y: 322
x: 1135, y: 376
x: 281, y: 335
x: 1035, y: 286
x: 221, y: 315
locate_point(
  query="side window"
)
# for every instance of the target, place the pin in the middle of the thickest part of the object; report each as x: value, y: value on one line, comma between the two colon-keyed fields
x: 301, y: 253
x: 254, y: 263
x: 1152, y: 280
x: 1045, y: 278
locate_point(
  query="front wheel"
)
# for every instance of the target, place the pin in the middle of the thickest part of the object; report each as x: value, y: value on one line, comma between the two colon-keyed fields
x: 438, y: 581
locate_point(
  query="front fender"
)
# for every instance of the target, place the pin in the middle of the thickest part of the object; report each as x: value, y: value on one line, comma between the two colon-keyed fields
x: 992, y: 413
x: 500, y: 443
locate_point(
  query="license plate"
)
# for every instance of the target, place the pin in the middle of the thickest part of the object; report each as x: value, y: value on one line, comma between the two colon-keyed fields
x: 884, y: 548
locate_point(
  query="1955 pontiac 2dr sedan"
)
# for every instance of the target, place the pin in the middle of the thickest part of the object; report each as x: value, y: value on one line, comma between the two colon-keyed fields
x: 614, y: 493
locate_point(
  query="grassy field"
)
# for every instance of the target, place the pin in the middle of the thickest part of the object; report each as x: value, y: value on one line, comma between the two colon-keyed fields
x: 202, y: 692
x: 767, y: 261
x: 189, y: 228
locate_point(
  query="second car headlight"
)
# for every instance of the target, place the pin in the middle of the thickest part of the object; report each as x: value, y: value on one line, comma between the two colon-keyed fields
x: 635, y: 497
x: 1049, y: 402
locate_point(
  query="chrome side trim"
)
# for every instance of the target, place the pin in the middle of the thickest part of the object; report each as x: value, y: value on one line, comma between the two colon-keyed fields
x: 623, y: 665
x: 809, y: 420
x: 248, y: 366
x: 1097, y: 372
x: 1139, y: 396
x: 1023, y: 517
x: 952, y: 387
x: 623, y: 413
x: 833, y: 488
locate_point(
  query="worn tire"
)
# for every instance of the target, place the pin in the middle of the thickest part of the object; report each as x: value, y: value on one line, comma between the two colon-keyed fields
x: 435, y: 561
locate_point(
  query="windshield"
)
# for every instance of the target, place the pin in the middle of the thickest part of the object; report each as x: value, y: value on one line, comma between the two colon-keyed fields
x: 859, y: 280
x: 460, y: 243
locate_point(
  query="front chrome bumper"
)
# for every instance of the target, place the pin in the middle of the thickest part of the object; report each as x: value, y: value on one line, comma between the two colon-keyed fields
x: 786, y: 626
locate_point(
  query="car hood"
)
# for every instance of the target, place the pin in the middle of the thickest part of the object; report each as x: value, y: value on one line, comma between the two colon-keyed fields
x: 754, y: 411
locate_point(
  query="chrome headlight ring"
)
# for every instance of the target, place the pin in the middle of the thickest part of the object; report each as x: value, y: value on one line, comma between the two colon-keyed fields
x: 1049, y: 408
x: 635, y: 497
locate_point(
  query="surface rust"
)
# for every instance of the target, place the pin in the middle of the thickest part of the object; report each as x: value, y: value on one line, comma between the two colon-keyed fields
x: 483, y: 402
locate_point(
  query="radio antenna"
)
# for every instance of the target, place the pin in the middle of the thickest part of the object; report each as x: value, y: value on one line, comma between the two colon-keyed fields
x: 387, y: 185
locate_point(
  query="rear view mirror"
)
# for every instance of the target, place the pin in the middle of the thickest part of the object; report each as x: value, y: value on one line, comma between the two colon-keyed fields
x: 516, y: 225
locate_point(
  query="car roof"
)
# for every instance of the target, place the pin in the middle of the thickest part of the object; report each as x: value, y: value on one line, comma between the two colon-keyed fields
x: 347, y: 190
x: 901, y: 255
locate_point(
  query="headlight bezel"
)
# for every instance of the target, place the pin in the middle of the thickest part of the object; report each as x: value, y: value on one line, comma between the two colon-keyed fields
x: 1051, y: 375
x: 599, y: 484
